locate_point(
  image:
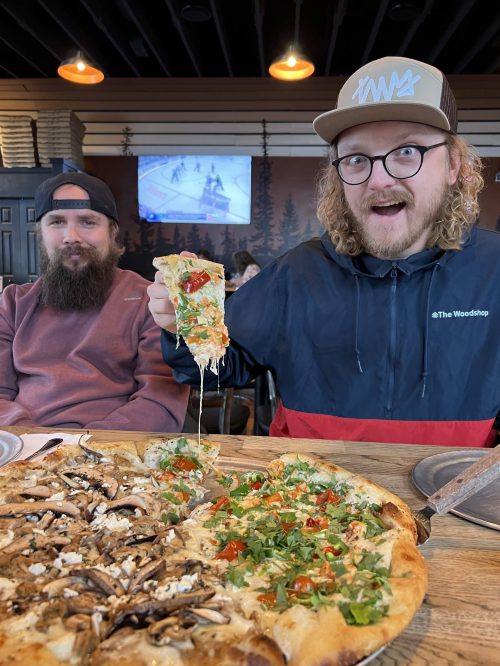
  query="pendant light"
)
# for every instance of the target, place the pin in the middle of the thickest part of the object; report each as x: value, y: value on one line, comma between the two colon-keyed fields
x: 292, y: 65
x: 80, y: 70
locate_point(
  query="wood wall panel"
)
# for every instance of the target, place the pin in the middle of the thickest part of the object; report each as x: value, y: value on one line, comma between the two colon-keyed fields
x: 224, y: 115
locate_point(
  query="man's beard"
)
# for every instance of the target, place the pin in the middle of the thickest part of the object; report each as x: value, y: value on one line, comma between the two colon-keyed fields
x: 393, y: 248
x: 80, y: 288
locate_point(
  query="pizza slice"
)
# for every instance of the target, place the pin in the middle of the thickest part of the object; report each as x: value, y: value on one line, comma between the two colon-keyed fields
x: 197, y: 290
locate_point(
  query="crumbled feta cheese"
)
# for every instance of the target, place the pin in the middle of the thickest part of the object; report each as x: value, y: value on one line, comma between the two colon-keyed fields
x: 68, y: 593
x: 37, y: 569
x: 175, y: 587
x: 67, y: 558
x: 57, y: 496
x: 111, y: 522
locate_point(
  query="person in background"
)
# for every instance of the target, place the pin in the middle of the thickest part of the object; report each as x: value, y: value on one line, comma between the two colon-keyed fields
x: 245, y: 268
x: 78, y: 347
x: 387, y: 328
x: 204, y: 254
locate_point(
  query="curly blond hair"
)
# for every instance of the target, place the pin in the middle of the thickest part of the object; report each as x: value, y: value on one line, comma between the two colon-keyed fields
x: 458, y: 214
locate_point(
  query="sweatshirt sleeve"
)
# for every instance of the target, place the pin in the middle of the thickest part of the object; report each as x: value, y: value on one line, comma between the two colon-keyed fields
x: 159, y: 404
x: 11, y: 412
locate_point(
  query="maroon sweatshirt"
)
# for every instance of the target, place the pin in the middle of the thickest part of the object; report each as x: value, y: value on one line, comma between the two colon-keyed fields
x: 101, y: 368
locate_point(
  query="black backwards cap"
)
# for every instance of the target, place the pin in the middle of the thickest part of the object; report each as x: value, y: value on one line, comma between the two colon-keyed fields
x: 100, y: 199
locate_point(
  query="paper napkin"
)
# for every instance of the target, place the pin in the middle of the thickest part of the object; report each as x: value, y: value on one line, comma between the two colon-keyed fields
x: 34, y: 441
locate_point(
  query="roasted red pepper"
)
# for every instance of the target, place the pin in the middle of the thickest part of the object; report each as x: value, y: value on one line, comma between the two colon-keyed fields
x: 195, y: 281
x: 231, y: 550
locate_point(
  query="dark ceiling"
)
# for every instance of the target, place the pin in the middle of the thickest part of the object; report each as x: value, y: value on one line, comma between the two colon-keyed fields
x: 240, y: 38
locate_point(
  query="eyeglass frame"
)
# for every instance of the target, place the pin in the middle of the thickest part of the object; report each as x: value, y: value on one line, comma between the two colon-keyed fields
x: 421, y: 149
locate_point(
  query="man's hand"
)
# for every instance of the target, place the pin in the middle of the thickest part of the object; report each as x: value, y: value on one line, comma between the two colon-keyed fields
x: 160, y: 305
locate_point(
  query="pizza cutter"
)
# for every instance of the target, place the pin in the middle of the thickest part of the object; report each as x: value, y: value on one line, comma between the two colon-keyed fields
x: 470, y: 481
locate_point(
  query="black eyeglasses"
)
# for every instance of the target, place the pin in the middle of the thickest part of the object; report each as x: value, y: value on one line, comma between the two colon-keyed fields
x: 403, y: 162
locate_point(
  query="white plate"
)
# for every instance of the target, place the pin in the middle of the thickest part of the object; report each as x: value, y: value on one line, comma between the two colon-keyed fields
x: 10, y: 446
x: 434, y: 472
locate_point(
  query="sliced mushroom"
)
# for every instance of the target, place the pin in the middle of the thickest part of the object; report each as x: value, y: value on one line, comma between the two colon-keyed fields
x: 57, y: 586
x: 167, y: 630
x: 130, y: 502
x: 25, y: 508
x: 85, y: 642
x: 36, y: 541
x: 151, y: 570
x: 208, y: 616
x: 94, y: 477
x: 78, y: 622
x: 143, y: 605
x: 102, y: 580
x: 86, y: 603
x: 37, y: 491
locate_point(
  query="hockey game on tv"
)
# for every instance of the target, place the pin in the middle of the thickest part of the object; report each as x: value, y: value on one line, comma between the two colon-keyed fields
x: 205, y: 189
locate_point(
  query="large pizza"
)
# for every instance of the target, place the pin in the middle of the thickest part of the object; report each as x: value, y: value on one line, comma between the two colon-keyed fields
x: 110, y: 555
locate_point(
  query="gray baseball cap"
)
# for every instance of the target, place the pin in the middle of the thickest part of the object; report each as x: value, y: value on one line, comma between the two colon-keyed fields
x: 391, y: 88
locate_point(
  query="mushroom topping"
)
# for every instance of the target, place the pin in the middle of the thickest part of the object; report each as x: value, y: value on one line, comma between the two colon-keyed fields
x: 37, y: 491
x: 167, y: 630
x: 143, y: 501
x: 151, y: 570
x: 25, y: 508
x: 207, y: 615
x: 55, y: 587
x: 144, y: 605
x: 86, y: 603
x: 37, y: 541
x: 130, y: 502
x: 103, y: 581
x: 95, y: 477
x: 78, y: 622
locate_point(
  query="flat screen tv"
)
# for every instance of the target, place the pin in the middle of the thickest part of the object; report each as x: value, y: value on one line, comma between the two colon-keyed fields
x: 205, y: 189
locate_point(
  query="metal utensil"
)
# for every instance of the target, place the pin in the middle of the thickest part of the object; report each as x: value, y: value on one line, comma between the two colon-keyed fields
x: 48, y: 445
x: 461, y: 487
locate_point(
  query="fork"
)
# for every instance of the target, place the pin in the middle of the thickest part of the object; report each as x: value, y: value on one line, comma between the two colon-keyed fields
x: 48, y: 445
x: 470, y: 481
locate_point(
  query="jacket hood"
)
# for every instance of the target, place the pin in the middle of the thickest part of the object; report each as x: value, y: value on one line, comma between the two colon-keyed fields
x: 369, y: 266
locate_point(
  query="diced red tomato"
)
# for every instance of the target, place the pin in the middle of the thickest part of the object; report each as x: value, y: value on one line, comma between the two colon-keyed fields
x: 195, y: 281
x: 257, y: 485
x: 332, y: 550
x: 272, y: 499
x: 222, y: 503
x: 327, y: 497
x: 287, y: 527
x: 268, y: 599
x: 184, y: 464
x: 231, y: 550
x: 166, y: 475
x: 315, y: 524
x: 303, y: 585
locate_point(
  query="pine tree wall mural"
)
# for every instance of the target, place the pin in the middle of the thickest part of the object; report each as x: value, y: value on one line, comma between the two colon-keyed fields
x: 283, y: 213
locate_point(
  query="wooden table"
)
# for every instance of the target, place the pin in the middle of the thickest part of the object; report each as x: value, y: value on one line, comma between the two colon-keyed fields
x: 459, y: 622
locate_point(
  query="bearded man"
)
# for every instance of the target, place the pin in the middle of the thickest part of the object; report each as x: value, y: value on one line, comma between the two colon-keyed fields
x: 78, y: 347
x: 387, y: 328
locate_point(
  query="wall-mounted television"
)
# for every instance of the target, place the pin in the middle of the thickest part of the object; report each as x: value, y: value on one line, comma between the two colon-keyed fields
x: 205, y: 189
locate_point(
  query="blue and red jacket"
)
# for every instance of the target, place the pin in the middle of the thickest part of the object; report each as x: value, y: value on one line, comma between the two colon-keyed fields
x: 368, y: 349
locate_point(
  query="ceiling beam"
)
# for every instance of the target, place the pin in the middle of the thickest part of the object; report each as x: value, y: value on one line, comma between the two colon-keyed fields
x: 17, y: 11
x: 24, y: 57
x: 258, y: 14
x: 458, y: 17
x: 414, y: 27
x: 70, y: 27
x: 96, y: 12
x: 183, y: 36
x: 222, y: 35
x: 382, y: 8
x: 482, y: 41
x: 338, y: 17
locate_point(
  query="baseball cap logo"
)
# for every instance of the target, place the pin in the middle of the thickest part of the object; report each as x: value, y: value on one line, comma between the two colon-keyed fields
x: 398, y: 87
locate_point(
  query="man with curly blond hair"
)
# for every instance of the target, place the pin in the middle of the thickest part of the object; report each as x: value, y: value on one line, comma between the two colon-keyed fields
x: 387, y: 327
